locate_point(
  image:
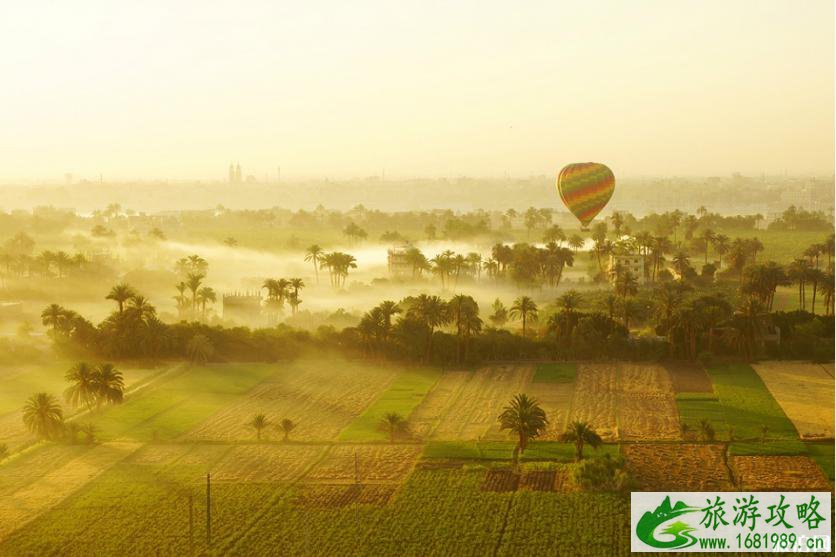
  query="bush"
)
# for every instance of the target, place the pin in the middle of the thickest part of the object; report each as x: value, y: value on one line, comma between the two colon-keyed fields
x: 602, y: 474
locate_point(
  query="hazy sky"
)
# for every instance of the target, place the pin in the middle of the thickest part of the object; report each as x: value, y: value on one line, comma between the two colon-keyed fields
x: 168, y: 89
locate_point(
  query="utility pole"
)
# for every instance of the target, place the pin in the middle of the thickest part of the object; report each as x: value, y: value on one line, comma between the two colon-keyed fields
x: 356, y: 468
x: 208, y: 511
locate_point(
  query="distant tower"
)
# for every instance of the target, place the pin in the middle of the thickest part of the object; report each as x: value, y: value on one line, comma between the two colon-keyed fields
x: 238, y: 173
x: 231, y: 174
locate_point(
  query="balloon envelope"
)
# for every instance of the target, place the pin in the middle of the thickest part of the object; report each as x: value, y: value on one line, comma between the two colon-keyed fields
x: 585, y: 188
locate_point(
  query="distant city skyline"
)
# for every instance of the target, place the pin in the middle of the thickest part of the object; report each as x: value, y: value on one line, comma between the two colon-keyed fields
x: 162, y: 91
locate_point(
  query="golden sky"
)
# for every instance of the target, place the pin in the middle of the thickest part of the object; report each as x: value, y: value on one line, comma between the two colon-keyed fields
x: 177, y: 89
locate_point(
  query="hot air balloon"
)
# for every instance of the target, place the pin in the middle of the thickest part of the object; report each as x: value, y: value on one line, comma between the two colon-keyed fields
x: 585, y: 188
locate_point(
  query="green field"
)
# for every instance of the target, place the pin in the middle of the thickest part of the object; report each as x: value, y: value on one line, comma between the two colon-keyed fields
x: 136, y: 509
x: 695, y: 407
x: 555, y: 373
x: 179, y: 402
x: 747, y: 406
x: 823, y: 453
x: 405, y: 393
x: 502, y: 450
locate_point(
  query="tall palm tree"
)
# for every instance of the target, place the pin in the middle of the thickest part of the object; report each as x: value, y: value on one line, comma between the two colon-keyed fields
x: 193, y: 282
x: 120, y: 294
x: 388, y: 309
x: 206, y: 295
x: 581, y: 433
x: 815, y: 276
x: 295, y: 284
x: 258, y: 422
x: 109, y: 384
x: 393, y: 425
x: 286, y: 426
x: 83, y: 389
x: 432, y: 312
x: 314, y: 254
x: 43, y: 416
x: 524, y: 418
x: 524, y: 309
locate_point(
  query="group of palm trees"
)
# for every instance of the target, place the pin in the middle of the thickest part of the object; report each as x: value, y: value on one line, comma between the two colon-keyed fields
x: 337, y: 263
x: 460, y: 312
x: 91, y: 387
x: 280, y: 291
x: 192, y: 270
x: 526, y: 420
x: 260, y: 422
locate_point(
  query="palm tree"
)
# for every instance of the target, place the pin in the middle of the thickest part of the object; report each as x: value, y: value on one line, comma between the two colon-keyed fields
x: 199, y: 349
x: 707, y: 431
x: 120, y: 294
x: 432, y: 312
x: 83, y: 389
x: 525, y: 309
x: 109, y: 384
x: 388, y: 309
x: 193, y: 282
x: 815, y: 276
x: 393, y: 424
x: 576, y: 242
x: 524, y: 418
x: 54, y: 316
x: 296, y: 284
x: 43, y: 416
x: 142, y: 307
x: 205, y: 295
x: 500, y: 314
x: 286, y: 426
x: 314, y: 255
x: 581, y: 433
x: 258, y: 422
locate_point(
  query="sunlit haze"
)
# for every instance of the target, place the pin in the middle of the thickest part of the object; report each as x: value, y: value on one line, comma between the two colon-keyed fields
x: 178, y: 90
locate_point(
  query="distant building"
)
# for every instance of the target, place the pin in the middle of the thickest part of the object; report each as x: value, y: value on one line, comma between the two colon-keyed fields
x: 632, y: 262
x: 243, y: 308
x: 397, y: 259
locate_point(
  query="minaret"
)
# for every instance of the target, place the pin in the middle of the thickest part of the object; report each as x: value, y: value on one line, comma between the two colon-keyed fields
x: 238, y: 173
x: 231, y: 174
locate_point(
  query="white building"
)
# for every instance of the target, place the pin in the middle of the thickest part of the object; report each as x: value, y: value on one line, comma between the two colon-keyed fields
x: 632, y: 262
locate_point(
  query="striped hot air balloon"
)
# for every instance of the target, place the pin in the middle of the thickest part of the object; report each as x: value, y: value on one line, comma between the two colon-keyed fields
x: 585, y: 188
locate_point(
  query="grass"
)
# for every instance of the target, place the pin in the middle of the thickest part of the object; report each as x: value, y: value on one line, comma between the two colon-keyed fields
x: 747, y: 406
x: 407, y: 391
x: 179, y: 403
x: 503, y: 450
x: 555, y: 373
x: 822, y: 453
x: 693, y: 410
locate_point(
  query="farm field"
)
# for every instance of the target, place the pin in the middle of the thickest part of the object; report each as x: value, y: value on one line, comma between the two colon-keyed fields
x: 762, y: 473
x: 748, y: 407
x: 646, y: 405
x: 338, y: 487
x: 19, y: 382
x: 678, y: 467
x: 403, y: 395
x: 805, y: 393
x: 180, y: 402
x: 467, y: 406
x: 689, y: 377
x: 596, y: 395
x: 321, y: 396
x: 553, y: 386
